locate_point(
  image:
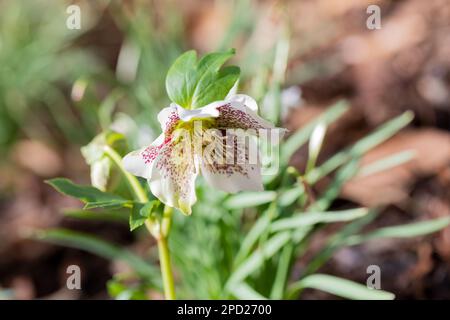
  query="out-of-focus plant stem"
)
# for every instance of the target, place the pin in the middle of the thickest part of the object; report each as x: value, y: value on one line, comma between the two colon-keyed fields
x: 164, y: 254
x: 133, y: 182
x: 162, y: 226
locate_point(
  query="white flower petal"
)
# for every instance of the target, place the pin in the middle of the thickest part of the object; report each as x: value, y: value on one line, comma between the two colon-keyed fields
x: 139, y: 162
x: 173, y: 177
x: 245, y: 100
x: 233, y: 90
x: 234, y: 182
x: 241, y: 172
x: 208, y: 111
x: 168, y: 117
x: 240, y: 112
x: 100, y: 173
x: 232, y: 179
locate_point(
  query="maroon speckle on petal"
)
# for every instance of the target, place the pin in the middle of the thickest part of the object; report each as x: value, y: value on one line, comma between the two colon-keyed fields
x: 234, y: 118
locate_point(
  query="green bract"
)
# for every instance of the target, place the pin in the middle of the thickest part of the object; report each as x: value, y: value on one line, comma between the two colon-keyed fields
x: 193, y: 84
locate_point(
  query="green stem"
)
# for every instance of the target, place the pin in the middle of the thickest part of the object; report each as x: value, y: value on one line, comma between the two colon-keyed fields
x: 164, y: 254
x: 166, y: 221
x: 163, y: 227
x: 132, y: 180
x: 166, y: 268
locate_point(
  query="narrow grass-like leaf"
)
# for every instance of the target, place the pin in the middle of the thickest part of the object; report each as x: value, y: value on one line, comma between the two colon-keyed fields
x: 252, y: 237
x: 257, y: 258
x: 341, y: 287
x: 403, y: 231
x: 387, y: 163
x: 281, y: 276
x: 288, y: 197
x: 295, y: 141
x: 249, y: 199
x: 337, y: 240
x: 243, y: 291
x: 344, y: 174
x: 311, y: 218
x: 113, y: 204
x: 380, y: 135
x: 102, y: 248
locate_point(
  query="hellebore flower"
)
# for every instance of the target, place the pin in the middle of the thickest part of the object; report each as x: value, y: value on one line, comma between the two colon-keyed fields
x: 196, y: 142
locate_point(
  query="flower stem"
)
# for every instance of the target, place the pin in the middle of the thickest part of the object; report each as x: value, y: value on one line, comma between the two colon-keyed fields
x: 132, y: 180
x: 166, y: 221
x: 164, y: 255
x: 163, y: 226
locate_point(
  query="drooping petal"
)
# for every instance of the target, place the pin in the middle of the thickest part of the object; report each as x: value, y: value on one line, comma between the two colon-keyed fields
x: 173, y: 175
x: 232, y: 164
x: 240, y: 112
x: 139, y: 162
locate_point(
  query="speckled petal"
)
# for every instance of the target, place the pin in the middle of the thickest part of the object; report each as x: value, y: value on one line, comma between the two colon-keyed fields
x: 241, y: 173
x: 173, y: 176
x: 240, y: 112
x: 168, y: 118
x: 139, y: 162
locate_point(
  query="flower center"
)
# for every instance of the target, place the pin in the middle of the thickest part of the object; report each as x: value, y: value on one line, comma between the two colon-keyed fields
x: 196, y: 124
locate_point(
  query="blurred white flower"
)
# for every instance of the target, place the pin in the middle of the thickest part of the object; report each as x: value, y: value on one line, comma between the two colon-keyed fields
x: 290, y: 98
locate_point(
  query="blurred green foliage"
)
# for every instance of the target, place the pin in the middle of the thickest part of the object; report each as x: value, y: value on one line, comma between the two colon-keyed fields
x: 38, y: 62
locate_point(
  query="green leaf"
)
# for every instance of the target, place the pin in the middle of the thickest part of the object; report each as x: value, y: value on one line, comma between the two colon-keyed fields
x: 141, y: 212
x: 181, y: 78
x: 344, y: 174
x: 289, y: 196
x: 307, y: 219
x: 259, y: 227
x: 87, y: 194
x: 295, y: 141
x: 337, y: 240
x: 403, y: 231
x: 149, y: 209
x: 213, y: 61
x: 100, y: 215
x: 215, y: 86
x: 249, y: 199
x: 110, y: 204
x: 341, y: 287
x: 282, y: 273
x: 257, y: 258
x: 121, y: 291
x: 380, y: 135
x: 102, y: 248
x: 243, y: 291
x: 387, y: 163
x: 193, y: 84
